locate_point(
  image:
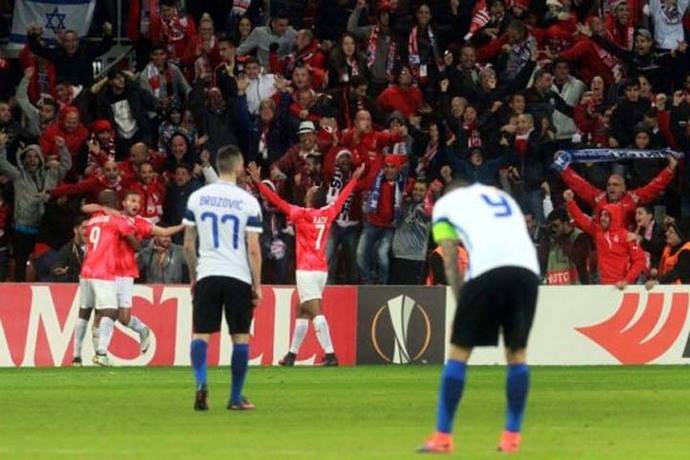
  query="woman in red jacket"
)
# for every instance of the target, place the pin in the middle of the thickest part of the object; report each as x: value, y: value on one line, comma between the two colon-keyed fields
x: 619, y: 258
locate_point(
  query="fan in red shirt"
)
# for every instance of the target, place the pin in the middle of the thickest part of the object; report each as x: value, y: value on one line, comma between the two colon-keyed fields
x: 152, y: 191
x: 110, y: 178
x: 312, y: 224
x: 97, y: 278
x: 367, y: 145
x: 402, y: 97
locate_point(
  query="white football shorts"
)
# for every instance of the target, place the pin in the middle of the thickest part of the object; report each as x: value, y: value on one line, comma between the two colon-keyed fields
x: 310, y: 284
x: 98, y: 294
x: 124, y: 286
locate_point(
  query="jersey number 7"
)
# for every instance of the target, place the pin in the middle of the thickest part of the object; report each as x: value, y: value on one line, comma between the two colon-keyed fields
x: 501, y: 205
x: 214, y: 218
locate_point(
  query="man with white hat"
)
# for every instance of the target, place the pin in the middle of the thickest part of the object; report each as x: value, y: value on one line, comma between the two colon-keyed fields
x: 293, y: 161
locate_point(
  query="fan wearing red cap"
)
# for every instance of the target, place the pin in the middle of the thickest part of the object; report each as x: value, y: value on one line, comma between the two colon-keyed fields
x: 383, y: 209
x: 101, y: 146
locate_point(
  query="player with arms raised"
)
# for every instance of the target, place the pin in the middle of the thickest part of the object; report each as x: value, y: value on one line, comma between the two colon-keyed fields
x: 227, y: 275
x: 98, y: 272
x: 500, y: 295
x: 312, y: 224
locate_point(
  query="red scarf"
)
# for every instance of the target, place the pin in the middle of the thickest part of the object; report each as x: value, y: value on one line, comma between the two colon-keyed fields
x: 474, y: 138
x: 154, y: 78
x: 430, y: 153
x: 521, y: 143
x: 371, y: 49
x: 173, y: 31
x: 607, y: 58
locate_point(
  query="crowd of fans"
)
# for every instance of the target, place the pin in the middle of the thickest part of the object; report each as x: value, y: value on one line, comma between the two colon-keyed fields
x: 422, y: 92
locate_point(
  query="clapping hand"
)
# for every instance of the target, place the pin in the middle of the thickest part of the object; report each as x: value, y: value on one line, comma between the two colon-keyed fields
x: 359, y: 171
x: 254, y: 172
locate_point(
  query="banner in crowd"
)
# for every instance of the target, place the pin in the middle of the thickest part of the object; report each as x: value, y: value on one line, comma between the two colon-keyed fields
x: 565, y: 157
x: 53, y: 15
x: 574, y: 325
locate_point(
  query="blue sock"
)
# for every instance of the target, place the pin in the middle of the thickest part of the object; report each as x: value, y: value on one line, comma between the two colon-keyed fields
x: 517, y: 387
x: 198, y: 356
x: 452, y: 384
x: 238, y: 368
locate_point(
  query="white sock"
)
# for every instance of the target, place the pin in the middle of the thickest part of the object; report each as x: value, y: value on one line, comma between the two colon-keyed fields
x: 301, y: 327
x: 94, y: 337
x: 323, y: 334
x: 136, y: 325
x: 105, y: 334
x: 79, y: 333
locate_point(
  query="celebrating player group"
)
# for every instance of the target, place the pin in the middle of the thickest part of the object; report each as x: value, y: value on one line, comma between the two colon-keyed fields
x: 222, y: 225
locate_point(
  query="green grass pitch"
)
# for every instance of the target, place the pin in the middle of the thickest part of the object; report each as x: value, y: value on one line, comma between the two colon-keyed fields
x: 372, y: 412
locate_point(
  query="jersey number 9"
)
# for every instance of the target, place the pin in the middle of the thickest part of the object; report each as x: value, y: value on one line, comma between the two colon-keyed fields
x: 214, y: 218
x: 500, y: 205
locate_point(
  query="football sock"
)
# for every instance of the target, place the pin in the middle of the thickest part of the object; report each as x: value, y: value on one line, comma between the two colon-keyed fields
x: 94, y: 337
x: 323, y: 334
x: 517, y: 387
x: 301, y: 327
x: 105, y: 334
x: 452, y: 385
x: 79, y: 333
x: 136, y: 325
x: 197, y: 354
x: 238, y: 368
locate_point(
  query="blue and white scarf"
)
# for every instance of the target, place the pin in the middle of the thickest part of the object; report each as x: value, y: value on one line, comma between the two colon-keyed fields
x: 565, y: 157
x: 374, y: 195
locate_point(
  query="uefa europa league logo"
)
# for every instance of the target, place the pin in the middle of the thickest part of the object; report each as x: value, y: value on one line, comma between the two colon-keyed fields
x: 402, y: 311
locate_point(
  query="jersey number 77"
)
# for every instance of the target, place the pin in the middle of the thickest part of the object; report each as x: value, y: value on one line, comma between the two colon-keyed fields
x: 216, y: 221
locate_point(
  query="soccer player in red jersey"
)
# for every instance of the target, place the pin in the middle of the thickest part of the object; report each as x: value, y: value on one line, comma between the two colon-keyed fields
x: 312, y: 224
x: 98, y: 273
x: 126, y: 263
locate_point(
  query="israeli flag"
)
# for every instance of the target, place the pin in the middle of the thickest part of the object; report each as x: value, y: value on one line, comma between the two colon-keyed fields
x: 53, y: 15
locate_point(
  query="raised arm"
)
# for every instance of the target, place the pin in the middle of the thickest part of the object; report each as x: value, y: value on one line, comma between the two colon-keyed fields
x: 65, y: 158
x: 34, y: 39
x: 88, y: 185
x: 249, y: 44
x: 580, y: 186
x: 6, y: 167
x: 273, y: 198
x: 656, y: 186
x: 347, y: 191
x: 582, y: 221
x: 361, y: 32
x: 23, y: 95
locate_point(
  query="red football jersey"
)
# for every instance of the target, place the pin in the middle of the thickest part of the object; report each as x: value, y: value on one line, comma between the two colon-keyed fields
x: 104, y: 233
x: 312, y: 226
x: 126, y: 257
